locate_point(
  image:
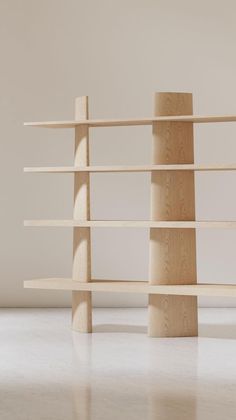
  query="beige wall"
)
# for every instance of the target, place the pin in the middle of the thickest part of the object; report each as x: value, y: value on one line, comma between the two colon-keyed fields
x: 119, y: 53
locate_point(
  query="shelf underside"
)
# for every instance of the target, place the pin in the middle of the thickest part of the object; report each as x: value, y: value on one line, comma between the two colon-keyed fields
x: 133, y: 287
x: 134, y: 121
x: 130, y: 168
x: 131, y: 224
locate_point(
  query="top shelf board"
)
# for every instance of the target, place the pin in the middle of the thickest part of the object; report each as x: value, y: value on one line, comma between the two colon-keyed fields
x: 133, y: 122
x: 130, y: 168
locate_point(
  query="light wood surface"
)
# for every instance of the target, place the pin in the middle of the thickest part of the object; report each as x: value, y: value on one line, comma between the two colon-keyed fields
x: 172, y: 285
x: 129, y: 168
x: 133, y: 223
x: 228, y: 290
x: 133, y: 121
x: 172, y: 251
x: 81, y: 271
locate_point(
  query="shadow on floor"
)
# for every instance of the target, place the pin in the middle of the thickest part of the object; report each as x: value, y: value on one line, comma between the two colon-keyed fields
x: 205, y: 330
x: 120, y: 328
x: 218, y: 331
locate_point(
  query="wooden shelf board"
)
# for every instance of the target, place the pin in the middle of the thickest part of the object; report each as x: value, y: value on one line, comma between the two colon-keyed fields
x: 130, y: 168
x: 133, y: 122
x: 131, y: 223
x: 133, y: 287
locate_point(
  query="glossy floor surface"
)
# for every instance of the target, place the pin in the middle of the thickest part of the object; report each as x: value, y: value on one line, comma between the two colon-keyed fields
x: 47, y: 372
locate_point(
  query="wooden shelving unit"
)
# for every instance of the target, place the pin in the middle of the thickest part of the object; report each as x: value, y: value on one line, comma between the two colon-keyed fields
x: 172, y: 285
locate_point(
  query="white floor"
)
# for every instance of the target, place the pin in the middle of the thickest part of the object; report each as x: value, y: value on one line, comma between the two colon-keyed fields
x: 47, y: 372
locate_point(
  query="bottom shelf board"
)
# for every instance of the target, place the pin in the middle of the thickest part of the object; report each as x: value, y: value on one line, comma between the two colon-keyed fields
x: 133, y: 287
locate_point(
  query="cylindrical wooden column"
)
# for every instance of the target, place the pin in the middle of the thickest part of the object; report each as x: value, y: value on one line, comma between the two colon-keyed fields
x: 172, y: 251
x: 81, y: 301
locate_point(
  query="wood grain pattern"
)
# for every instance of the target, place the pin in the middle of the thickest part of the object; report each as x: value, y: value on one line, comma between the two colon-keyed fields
x: 227, y: 290
x: 129, y: 168
x: 134, y: 121
x: 172, y: 251
x: 81, y: 272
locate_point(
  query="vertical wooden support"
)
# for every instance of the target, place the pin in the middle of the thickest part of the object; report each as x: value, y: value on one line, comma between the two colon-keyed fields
x: 81, y: 301
x: 172, y: 251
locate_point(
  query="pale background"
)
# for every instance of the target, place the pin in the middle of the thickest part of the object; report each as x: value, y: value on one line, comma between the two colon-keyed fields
x: 119, y: 53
